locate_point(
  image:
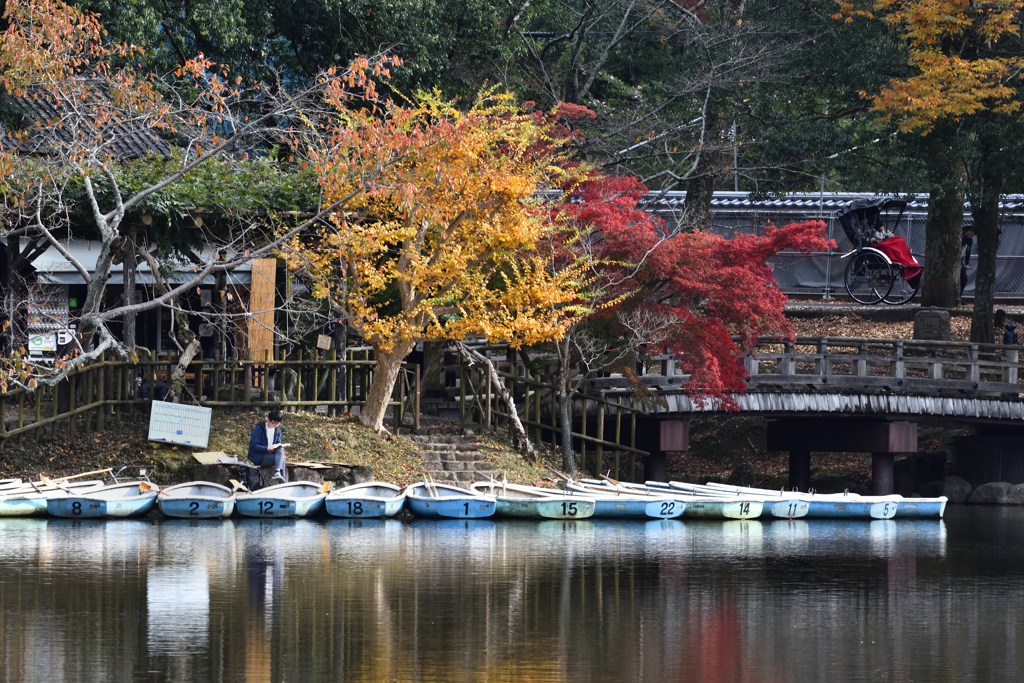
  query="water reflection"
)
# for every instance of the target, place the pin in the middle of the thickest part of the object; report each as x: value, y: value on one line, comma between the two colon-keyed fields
x: 293, y: 600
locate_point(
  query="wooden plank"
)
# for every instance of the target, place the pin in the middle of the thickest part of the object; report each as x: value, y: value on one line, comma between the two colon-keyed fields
x: 261, y: 308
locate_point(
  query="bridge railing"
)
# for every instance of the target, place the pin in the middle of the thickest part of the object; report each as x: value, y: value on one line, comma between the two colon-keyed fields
x: 896, y: 364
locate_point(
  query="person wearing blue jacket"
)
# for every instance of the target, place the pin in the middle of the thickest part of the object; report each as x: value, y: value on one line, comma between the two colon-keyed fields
x: 265, y: 447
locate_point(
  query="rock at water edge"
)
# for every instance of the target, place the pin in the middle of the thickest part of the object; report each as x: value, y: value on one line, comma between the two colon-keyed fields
x: 992, y: 493
x: 956, y: 489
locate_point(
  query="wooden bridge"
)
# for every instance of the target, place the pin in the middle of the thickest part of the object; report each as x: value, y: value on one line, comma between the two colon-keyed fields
x: 820, y: 395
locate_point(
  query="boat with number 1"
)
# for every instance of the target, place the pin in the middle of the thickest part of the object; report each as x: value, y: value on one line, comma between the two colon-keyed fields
x: 428, y: 499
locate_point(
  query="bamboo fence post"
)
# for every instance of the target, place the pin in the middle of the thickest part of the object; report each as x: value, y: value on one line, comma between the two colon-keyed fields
x: 462, y: 397
x: 298, y: 385
x: 216, y: 375
x: 21, y: 411
x: 102, y: 394
x: 618, y: 432
x: 416, y: 413
x: 583, y: 432
x: 333, y: 410
x: 38, y: 396
x: 489, y: 389
x: 71, y: 404
x: 536, y: 409
x: 266, y: 375
x: 600, y: 433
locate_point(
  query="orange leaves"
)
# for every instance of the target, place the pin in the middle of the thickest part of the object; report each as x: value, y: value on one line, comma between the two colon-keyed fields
x: 954, y: 50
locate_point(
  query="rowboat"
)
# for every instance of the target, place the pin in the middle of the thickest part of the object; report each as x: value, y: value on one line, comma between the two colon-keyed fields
x: 696, y: 506
x: 291, y: 499
x: 922, y: 507
x: 370, y: 499
x: 197, y: 500
x: 623, y: 502
x: 30, y: 500
x: 128, y: 499
x: 833, y: 505
x: 427, y: 499
x: 790, y: 506
x: 532, y: 502
x: 6, y: 484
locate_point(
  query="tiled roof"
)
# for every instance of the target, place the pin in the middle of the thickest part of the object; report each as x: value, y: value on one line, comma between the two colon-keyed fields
x: 126, y: 141
x: 827, y: 202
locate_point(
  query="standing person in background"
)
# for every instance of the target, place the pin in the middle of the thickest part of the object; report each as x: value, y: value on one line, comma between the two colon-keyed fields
x: 966, y: 242
x: 265, y: 447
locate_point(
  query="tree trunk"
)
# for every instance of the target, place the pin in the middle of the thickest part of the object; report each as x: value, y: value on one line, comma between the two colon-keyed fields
x: 522, y: 441
x: 389, y: 364
x: 701, y: 188
x: 176, y: 387
x: 941, y: 286
x: 985, y: 211
x: 565, y: 419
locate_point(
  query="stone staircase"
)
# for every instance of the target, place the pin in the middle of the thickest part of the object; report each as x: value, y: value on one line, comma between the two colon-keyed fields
x: 449, y: 456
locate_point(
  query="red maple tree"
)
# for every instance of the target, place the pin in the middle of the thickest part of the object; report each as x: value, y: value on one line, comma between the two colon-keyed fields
x: 699, y: 287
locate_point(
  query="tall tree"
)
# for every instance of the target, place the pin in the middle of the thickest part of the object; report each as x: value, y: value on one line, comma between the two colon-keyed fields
x: 442, y: 243
x: 965, y: 59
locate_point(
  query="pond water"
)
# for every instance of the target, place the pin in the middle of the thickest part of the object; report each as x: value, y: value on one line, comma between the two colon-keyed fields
x: 333, y: 600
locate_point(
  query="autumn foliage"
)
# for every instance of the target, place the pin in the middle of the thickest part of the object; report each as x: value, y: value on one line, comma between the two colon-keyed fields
x: 440, y: 231
x: 701, y: 288
x: 953, y: 47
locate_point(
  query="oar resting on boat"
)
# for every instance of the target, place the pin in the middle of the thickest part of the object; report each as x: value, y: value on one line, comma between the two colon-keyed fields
x: 782, y: 507
x: 30, y: 500
x: 128, y: 499
x: 369, y: 499
x: 531, y: 502
x: 623, y: 503
x: 430, y: 499
x: 698, y: 507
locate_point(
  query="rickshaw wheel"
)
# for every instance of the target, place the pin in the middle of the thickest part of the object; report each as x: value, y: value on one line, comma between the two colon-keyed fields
x: 901, y: 291
x: 869, y: 278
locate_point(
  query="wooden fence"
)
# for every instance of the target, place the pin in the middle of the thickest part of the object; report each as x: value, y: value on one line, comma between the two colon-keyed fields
x: 603, y: 439
x: 117, y: 390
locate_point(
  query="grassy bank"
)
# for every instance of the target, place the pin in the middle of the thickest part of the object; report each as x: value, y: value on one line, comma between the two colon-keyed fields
x: 312, y: 437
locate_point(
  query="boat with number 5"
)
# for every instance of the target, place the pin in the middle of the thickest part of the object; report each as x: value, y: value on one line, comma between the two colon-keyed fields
x: 197, y: 500
x: 532, y: 502
x: 428, y: 499
x: 127, y: 499
x: 291, y: 499
x: 370, y: 499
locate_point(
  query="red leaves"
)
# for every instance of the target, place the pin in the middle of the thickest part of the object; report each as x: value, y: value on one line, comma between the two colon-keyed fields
x: 702, y: 288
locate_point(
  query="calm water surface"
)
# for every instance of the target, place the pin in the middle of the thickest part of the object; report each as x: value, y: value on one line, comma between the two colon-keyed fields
x: 333, y: 600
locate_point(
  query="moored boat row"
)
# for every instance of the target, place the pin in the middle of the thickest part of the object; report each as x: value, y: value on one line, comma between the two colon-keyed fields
x: 578, y: 500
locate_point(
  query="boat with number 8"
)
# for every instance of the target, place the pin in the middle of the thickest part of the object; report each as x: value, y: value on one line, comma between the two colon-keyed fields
x: 127, y: 499
x: 30, y: 499
x: 531, y: 502
x: 197, y: 500
x: 429, y: 499
x: 369, y: 499
x: 291, y: 499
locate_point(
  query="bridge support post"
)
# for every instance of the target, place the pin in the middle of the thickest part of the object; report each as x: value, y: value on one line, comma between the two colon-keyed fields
x: 882, y: 474
x: 800, y: 470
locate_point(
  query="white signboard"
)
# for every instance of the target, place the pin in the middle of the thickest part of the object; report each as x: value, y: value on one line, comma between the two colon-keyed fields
x: 180, y: 424
x: 38, y: 343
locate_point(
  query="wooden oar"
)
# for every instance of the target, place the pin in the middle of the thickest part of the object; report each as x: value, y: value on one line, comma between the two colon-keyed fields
x: 50, y: 482
x: 85, y: 474
x: 144, y: 486
x: 431, y: 489
x: 326, y: 487
x: 238, y: 486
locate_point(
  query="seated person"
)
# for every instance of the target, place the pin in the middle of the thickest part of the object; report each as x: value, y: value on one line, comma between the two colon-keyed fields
x: 265, y: 447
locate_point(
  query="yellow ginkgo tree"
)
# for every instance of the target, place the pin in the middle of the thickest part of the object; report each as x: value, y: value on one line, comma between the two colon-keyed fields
x: 440, y: 240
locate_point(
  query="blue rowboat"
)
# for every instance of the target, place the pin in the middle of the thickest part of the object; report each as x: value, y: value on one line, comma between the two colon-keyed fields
x: 370, y: 499
x: 531, y: 502
x: 291, y: 499
x: 922, y: 507
x: 30, y: 500
x: 129, y: 499
x: 696, y: 506
x: 197, y: 500
x: 622, y: 502
x: 427, y: 499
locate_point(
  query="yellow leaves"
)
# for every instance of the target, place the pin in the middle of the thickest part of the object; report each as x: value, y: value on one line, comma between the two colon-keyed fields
x: 948, y: 84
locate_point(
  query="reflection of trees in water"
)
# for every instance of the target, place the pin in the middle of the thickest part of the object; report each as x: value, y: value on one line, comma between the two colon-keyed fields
x: 295, y: 600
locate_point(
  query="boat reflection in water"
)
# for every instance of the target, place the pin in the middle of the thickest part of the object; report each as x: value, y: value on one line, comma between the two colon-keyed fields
x: 470, y: 599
